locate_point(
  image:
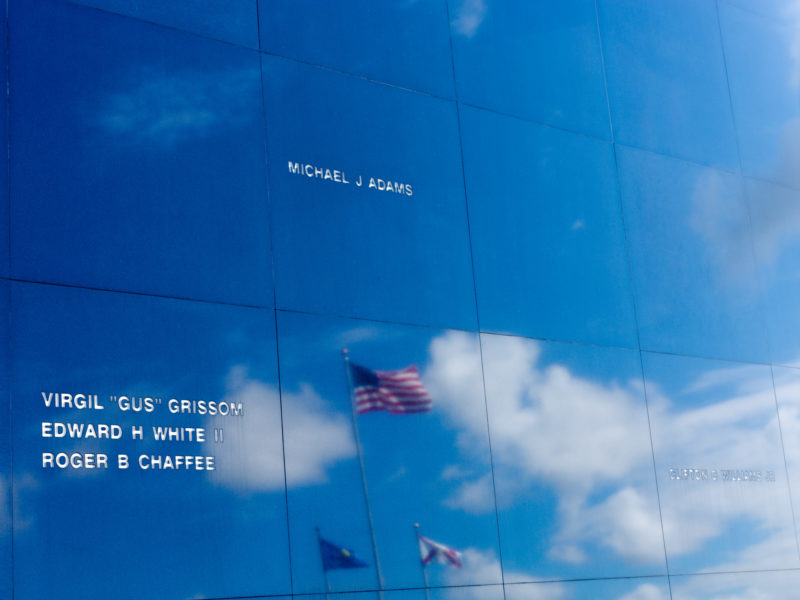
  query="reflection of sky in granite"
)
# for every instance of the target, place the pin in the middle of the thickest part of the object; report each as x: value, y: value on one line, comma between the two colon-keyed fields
x: 128, y: 524
x: 154, y: 158
x: 568, y: 490
x: 402, y: 258
x: 666, y: 79
x: 544, y: 214
x: 431, y: 468
x: 232, y: 21
x: 692, y: 270
x: 764, y: 87
x: 404, y: 43
x: 539, y: 61
x: 5, y: 454
x: 710, y: 415
x: 736, y: 586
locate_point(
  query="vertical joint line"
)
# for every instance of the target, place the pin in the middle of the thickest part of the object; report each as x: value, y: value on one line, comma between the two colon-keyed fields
x: 785, y: 461
x: 626, y: 242
x: 475, y: 292
x: 283, y: 453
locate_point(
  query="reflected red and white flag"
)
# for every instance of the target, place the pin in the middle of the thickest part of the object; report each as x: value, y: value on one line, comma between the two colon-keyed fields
x: 430, y: 551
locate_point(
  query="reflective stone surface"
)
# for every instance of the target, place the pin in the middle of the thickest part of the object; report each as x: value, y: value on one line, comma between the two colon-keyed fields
x: 764, y: 87
x: 775, y: 216
x: 573, y: 467
x: 666, y: 78
x: 402, y: 43
x: 650, y: 588
x: 232, y: 21
x: 721, y: 473
x: 4, y: 202
x: 736, y: 585
x: 544, y: 214
x: 80, y: 531
x: 395, y: 247
x: 787, y: 392
x: 536, y: 60
x: 5, y: 451
x: 557, y: 240
x: 779, y: 10
x: 431, y: 468
x: 148, y: 153
x: 691, y: 257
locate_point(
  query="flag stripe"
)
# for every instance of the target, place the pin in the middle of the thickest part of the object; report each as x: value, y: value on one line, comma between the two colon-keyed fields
x: 366, y: 397
x: 396, y: 392
x: 389, y: 391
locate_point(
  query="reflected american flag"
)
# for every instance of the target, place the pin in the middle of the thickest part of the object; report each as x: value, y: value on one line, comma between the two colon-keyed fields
x: 397, y: 392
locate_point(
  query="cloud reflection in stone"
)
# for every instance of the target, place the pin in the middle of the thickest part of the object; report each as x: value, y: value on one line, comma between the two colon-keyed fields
x: 252, y: 458
x: 163, y: 109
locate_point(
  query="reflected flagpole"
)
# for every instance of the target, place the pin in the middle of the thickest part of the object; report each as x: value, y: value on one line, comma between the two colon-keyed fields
x: 324, y: 570
x: 354, y: 414
x: 421, y: 563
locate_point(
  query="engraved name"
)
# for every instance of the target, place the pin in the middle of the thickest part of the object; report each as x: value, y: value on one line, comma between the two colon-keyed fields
x: 699, y: 474
x: 380, y: 184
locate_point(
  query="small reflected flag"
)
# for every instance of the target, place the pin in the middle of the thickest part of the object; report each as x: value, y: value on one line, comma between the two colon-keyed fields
x: 397, y: 392
x: 431, y: 551
x: 338, y: 557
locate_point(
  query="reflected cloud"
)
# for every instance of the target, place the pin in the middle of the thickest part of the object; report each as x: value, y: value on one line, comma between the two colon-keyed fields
x: 647, y: 591
x: 738, y: 431
x: 736, y: 586
x: 574, y: 434
x: 791, y: 14
x: 532, y: 440
x: 777, y: 227
x: 469, y: 15
x: 624, y: 522
x: 474, y: 497
x: 356, y: 335
x: 317, y: 437
x: 482, y: 565
x: 722, y: 225
x: 163, y: 109
x: 528, y: 405
x: 5, y: 506
x: 23, y: 484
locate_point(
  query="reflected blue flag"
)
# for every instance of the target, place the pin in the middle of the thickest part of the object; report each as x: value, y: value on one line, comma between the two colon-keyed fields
x: 338, y: 557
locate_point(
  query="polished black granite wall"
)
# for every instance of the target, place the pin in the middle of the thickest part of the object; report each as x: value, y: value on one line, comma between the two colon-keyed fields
x: 580, y: 220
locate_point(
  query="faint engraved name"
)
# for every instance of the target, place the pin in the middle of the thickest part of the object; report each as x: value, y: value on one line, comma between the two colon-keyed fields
x: 339, y: 176
x: 693, y: 474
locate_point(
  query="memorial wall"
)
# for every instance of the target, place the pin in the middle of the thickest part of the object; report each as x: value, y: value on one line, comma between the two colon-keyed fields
x: 400, y: 300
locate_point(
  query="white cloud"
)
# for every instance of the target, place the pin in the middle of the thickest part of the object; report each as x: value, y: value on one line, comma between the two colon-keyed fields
x: 453, y: 377
x: 23, y: 485
x: 587, y: 440
x: 469, y: 15
x: 647, y: 591
x: 548, y: 425
x: 252, y: 457
x: 626, y: 522
x: 355, y: 335
x: 528, y: 405
x: 166, y: 108
x: 737, y: 586
x: 719, y: 218
x: 474, y: 496
x: 480, y: 565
